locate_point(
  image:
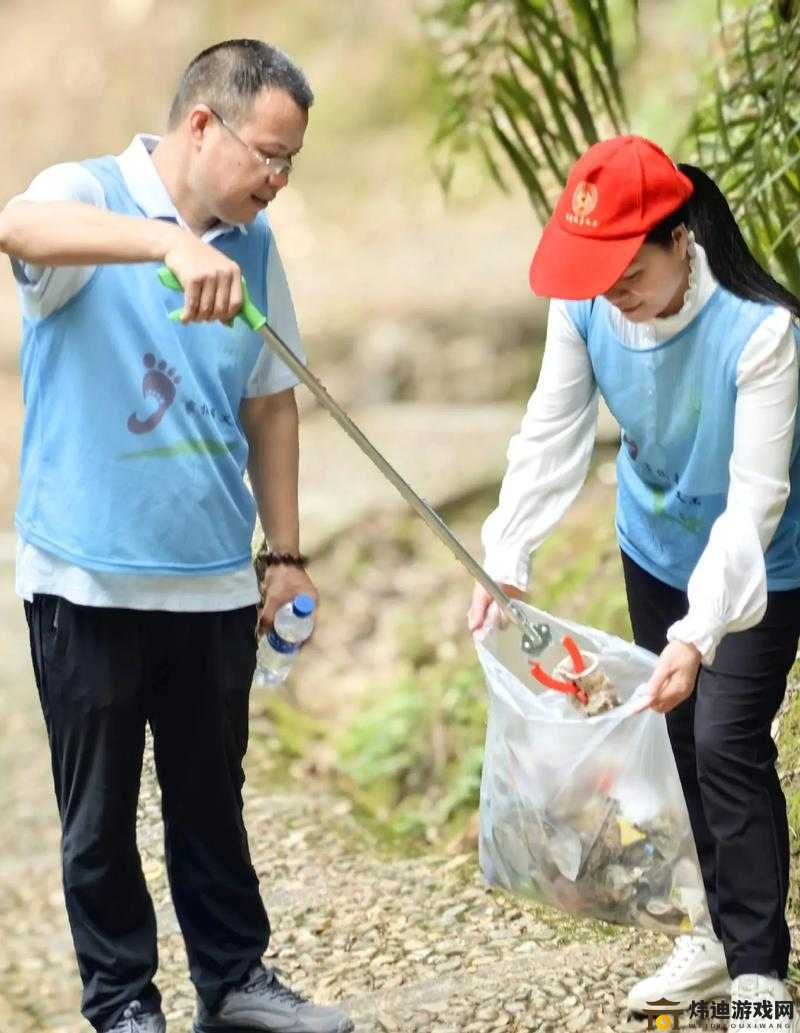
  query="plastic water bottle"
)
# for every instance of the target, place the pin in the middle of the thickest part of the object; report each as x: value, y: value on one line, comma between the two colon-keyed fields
x: 278, y: 648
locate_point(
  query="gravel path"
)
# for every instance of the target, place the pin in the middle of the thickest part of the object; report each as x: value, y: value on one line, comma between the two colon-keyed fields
x: 406, y: 944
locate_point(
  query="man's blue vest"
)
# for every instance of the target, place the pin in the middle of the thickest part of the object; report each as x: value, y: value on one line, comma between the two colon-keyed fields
x: 675, y: 403
x: 133, y: 454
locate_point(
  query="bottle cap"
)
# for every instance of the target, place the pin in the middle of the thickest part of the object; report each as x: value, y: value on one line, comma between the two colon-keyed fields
x: 303, y: 605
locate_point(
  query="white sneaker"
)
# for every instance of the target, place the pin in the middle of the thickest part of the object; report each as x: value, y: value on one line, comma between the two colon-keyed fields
x: 696, y: 970
x: 754, y: 1006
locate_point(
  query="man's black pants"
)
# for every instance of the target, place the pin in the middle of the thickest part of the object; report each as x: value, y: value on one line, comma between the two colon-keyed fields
x: 102, y: 675
x: 726, y: 757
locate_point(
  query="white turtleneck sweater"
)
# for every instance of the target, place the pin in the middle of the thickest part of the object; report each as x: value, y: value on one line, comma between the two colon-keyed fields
x: 549, y: 458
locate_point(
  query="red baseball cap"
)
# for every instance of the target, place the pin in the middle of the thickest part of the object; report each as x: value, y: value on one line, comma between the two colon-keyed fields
x: 617, y: 192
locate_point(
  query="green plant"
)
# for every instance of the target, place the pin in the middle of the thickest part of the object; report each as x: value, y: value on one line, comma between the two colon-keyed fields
x: 529, y: 83
x: 746, y: 131
x: 412, y: 760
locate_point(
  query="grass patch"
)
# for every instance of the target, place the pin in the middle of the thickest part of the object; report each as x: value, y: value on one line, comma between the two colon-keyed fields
x: 412, y: 761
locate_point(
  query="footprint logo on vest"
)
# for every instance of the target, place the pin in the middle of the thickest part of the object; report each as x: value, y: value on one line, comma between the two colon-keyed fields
x: 158, y: 383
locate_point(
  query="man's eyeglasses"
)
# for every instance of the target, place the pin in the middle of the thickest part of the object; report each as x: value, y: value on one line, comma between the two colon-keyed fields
x: 275, y: 165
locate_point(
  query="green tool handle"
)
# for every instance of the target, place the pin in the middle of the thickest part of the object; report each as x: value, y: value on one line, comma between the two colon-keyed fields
x: 248, y: 313
x: 535, y: 637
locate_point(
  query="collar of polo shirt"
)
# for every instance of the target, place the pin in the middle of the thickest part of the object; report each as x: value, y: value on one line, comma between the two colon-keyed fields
x: 147, y: 189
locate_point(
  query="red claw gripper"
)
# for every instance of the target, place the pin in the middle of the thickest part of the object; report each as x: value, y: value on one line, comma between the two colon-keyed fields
x: 571, y: 688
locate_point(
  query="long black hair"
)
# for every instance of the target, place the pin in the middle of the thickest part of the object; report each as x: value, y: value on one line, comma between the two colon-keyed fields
x: 708, y: 214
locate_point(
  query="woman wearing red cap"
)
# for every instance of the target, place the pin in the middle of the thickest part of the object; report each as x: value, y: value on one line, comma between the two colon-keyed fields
x: 665, y: 313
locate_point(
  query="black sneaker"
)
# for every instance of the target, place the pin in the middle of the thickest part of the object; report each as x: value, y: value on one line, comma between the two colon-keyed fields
x: 263, y: 1003
x: 134, y: 1020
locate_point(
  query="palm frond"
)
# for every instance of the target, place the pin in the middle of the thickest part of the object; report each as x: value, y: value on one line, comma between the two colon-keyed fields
x: 530, y: 84
x: 746, y: 132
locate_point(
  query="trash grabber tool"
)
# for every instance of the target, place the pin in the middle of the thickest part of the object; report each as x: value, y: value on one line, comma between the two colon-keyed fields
x: 535, y: 637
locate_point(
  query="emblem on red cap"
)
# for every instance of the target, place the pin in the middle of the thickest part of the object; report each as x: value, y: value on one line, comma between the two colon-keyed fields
x: 584, y: 202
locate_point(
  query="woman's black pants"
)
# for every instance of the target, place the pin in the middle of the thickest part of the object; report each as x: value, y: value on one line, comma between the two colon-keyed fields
x: 103, y: 674
x: 726, y: 756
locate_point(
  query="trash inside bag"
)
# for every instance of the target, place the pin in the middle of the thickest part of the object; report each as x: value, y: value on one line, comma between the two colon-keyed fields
x: 581, y: 804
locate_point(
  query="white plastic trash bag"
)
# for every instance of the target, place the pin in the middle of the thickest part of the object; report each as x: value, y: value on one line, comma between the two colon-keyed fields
x: 585, y: 813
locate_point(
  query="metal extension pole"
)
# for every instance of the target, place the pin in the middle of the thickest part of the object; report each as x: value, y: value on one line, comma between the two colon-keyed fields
x: 535, y: 636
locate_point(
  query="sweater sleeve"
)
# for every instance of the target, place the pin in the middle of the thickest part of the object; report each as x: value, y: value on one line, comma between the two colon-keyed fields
x: 549, y: 458
x: 728, y: 587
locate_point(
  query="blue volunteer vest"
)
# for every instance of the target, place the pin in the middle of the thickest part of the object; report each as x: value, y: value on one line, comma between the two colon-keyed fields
x: 133, y: 455
x: 675, y: 404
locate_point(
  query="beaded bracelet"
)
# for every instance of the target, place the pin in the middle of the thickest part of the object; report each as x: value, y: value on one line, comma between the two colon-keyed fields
x: 283, y: 559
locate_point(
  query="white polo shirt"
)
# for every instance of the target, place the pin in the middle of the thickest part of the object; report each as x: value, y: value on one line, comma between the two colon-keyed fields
x: 43, y: 290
